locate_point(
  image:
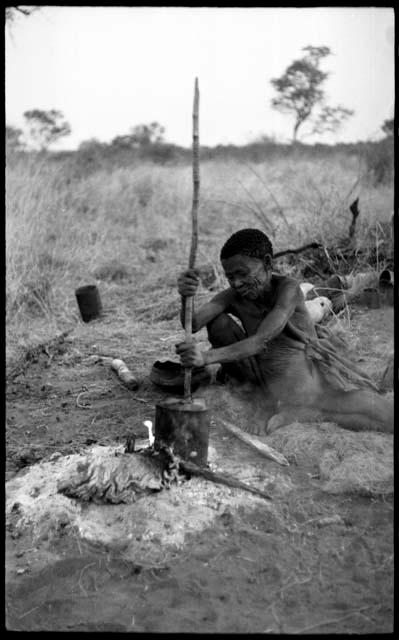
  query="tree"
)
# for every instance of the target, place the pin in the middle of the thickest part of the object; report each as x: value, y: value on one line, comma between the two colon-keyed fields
x: 300, y: 93
x: 142, y: 135
x: 331, y: 119
x: 388, y: 127
x: 145, y: 134
x: 13, y: 12
x: 46, y: 127
x: 13, y: 139
x: 91, y: 146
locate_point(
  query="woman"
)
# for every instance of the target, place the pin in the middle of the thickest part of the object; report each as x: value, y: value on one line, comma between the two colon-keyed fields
x: 277, y: 346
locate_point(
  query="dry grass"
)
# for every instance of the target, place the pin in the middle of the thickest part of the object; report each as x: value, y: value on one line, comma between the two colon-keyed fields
x: 128, y: 230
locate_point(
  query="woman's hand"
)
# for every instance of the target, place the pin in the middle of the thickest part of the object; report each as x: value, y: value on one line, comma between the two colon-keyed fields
x: 190, y: 354
x: 187, y: 283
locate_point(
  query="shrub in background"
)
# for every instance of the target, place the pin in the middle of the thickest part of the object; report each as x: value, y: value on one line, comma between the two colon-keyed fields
x: 379, y: 158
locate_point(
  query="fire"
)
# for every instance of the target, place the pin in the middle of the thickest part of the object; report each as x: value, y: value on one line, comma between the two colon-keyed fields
x: 151, y: 438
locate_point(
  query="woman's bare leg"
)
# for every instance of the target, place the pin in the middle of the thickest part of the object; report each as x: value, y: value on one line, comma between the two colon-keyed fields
x: 356, y: 410
x: 223, y: 331
x: 288, y: 415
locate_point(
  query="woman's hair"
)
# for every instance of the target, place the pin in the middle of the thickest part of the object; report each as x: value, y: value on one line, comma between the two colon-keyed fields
x: 247, y: 242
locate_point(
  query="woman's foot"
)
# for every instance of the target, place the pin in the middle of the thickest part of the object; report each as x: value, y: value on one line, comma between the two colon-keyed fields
x: 290, y: 415
x: 280, y: 419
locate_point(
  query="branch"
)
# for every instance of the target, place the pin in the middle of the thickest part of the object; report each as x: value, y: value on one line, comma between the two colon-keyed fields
x: 24, y: 11
x: 311, y: 245
x: 354, y: 209
x: 221, y: 478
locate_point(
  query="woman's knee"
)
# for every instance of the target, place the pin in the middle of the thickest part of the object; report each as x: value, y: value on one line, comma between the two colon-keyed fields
x: 223, y: 331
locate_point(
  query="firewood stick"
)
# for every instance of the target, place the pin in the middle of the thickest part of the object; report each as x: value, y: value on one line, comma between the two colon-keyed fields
x: 256, y: 444
x: 189, y: 301
x: 124, y: 374
x: 221, y: 478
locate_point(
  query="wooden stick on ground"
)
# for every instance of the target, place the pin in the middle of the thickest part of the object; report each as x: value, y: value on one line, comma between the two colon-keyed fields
x: 124, y: 374
x: 221, y: 478
x: 256, y: 444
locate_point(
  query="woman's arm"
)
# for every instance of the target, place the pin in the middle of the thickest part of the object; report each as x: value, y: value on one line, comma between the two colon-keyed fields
x: 208, y: 311
x: 288, y: 296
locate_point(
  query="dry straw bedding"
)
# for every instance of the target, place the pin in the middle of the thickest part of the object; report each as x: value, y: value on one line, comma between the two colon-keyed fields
x: 348, y: 462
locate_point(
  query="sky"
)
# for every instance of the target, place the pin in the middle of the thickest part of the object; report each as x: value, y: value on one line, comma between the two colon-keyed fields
x: 108, y: 69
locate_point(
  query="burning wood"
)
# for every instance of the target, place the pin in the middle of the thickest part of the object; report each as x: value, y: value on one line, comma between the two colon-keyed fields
x: 222, y: 478
x: 125, y: 477
x: 118, y: 478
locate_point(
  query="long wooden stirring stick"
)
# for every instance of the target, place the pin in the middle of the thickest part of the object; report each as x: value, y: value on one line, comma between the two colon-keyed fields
x: 189, y: 301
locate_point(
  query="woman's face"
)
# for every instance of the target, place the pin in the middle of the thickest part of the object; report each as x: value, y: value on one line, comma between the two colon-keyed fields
x: 249, y: 277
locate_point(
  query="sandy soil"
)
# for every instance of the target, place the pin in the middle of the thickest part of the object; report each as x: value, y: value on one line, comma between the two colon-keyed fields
x: 198, y: 557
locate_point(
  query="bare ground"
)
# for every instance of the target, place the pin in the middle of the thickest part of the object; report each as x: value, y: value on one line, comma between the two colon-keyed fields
x: 251, y: 567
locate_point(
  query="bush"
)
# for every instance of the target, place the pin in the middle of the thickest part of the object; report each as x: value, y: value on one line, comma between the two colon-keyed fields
x: 379, y: 158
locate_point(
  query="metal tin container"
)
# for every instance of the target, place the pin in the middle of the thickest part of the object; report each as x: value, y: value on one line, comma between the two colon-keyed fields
x: 89, y: 302
x: 184, y: 426
x: 386, y: 285
x: 372, y: 297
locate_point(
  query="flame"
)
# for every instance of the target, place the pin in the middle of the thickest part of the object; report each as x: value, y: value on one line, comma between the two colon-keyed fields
x: 151, y: 438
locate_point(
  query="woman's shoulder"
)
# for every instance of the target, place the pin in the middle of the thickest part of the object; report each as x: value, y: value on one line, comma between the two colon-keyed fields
x: 282, y: 281
x: 226, y: 296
